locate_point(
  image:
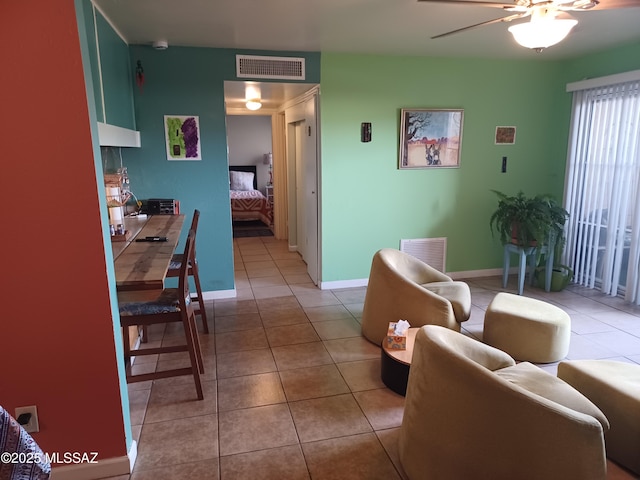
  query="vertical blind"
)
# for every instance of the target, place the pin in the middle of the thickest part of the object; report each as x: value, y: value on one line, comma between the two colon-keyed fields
x: 601, y: 191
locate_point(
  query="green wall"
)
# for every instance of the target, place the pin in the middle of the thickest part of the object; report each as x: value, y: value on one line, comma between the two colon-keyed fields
x: 368, y: 204
x: 190, y: 81
x: 618, y: 60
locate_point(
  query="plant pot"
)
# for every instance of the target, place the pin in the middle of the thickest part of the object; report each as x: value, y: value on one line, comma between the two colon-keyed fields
x: 514, y: 237
x: 560, y: 277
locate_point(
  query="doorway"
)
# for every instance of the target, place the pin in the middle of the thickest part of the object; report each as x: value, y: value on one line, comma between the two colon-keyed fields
x: 295, y: 162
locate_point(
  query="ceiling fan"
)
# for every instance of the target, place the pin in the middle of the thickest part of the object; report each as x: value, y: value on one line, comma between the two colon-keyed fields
x: 545, y: 28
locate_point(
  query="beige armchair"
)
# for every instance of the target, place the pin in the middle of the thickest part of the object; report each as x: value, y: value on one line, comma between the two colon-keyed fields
x: 471, y: 412
x: 401, y: 287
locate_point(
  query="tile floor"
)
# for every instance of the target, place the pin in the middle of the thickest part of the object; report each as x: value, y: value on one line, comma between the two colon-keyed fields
x: 292, y: 390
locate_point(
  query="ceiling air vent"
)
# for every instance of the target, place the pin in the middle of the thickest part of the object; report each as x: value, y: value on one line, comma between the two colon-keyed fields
x: 280, y: 68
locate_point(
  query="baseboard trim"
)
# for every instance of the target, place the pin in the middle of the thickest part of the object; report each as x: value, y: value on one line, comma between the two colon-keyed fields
x: 363, y: 282
x: 133, y: 455
x: 489, y: 272
x: 359, y: 282
x: 219, y: 294
x: 111, y: 467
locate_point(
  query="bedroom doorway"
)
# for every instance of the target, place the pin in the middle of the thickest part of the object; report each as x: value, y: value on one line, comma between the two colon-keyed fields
x: 295, y: 204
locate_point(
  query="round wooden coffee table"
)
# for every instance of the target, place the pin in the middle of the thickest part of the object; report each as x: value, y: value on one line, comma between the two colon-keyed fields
x: 395, y: 364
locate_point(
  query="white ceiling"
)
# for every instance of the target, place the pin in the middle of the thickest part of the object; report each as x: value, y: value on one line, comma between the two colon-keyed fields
x: 272, y: 95
x: 390, y: 27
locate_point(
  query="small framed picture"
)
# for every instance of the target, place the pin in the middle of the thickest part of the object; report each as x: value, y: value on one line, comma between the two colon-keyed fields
x: 505, y: 135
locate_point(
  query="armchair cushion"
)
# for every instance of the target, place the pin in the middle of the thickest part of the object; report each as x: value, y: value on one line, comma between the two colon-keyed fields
x: 457, y: 293
x: 538, y: 382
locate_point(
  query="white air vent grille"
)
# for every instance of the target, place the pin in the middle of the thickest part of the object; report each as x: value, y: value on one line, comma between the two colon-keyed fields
x: 284, y: 68
x: 432, y: 251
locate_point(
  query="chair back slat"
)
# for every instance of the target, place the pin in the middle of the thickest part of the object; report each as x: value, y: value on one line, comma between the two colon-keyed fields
x: 194, y: 220
x: 194, y: 227
x: 183, y: 282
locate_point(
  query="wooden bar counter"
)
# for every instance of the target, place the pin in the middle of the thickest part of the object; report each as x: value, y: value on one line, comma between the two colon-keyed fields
x: 144, y: 265
x: 141, y: 267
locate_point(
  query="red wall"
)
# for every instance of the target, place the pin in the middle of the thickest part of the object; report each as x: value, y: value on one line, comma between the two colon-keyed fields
x: 56, y: 333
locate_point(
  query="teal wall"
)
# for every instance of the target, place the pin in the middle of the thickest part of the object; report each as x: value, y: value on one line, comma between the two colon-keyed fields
x: 117, y: 79
x: 86, y: 21
x: 368, y: 204
x: 109, y: 56
x: 190, y: 81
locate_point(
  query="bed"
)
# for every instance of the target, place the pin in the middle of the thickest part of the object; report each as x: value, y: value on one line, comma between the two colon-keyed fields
x: 247, y: 202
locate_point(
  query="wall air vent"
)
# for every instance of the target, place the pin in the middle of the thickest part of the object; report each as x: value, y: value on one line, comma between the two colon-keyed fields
x: 432, y: 251
x: 279, y: 68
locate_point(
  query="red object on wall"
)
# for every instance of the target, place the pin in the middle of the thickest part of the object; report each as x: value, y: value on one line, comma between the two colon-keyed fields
x: 139, y: 76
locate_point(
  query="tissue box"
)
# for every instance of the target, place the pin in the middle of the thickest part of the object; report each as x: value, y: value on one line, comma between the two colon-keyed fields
x: 393, y: 341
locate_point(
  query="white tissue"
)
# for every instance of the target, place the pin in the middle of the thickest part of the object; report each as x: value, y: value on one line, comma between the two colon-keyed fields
x: 401, y: 328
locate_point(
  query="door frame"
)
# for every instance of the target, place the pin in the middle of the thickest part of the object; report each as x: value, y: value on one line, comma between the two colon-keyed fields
x: 295, y: 111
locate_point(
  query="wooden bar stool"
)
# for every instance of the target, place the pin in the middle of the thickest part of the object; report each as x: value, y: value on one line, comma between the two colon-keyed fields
x: 174, y: 271
x: 171, y: 306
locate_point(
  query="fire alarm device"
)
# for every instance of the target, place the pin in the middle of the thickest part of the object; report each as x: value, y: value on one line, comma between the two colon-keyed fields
x: 365, y: 132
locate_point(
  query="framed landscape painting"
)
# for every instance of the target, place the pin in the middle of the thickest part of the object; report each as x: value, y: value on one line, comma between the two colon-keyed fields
x: 430, y: 138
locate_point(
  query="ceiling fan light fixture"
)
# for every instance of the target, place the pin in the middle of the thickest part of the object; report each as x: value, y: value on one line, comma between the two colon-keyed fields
x: 542, y: 33
x: 254, y: 104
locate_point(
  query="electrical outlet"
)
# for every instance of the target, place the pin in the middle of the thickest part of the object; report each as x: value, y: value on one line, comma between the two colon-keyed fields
x: 33, y: 425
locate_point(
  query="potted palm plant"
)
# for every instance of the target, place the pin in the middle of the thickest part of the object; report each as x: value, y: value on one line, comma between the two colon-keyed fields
x: 530, y: 221
x: 525, y: 221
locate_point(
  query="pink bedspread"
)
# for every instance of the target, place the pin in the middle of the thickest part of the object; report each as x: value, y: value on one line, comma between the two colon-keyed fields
x: 250, y: 205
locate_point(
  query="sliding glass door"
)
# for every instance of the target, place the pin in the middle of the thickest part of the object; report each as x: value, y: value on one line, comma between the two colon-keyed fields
x: 602, y: 194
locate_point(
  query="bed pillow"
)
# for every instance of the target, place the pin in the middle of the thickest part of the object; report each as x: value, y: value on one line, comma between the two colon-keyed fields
x: 241, y: 180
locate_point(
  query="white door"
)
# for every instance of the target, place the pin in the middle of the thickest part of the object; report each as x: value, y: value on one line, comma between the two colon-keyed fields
x: 301, y: 233
x: 310, y: 158
x: 302, y: 158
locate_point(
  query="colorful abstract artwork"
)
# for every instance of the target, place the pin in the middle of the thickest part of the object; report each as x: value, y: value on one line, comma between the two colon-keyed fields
x: 182, y: 134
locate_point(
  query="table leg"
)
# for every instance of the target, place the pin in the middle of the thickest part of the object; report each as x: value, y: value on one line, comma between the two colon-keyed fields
x: 505, y: 266
x: 522, y: 269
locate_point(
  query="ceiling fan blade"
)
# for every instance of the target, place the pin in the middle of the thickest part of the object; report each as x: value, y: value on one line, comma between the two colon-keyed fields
x: 613, y: 4
x: 471, y: 2
x: 497, y: 20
